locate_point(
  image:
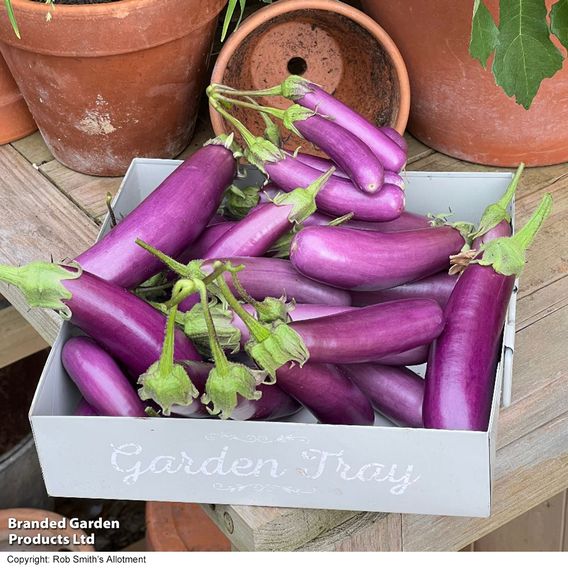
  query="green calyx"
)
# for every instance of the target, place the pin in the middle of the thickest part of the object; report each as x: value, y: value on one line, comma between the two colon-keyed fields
x: 223, y: 386
x: 303, y: 200
x: 295, y: 87
x: 260, y: 151
x: 507, y: 255
x: 296, y: 113
x: 284, y: 345
x: 226, y: 380
x: 238, y: 202
x: 41, y: 283
x: 272, y: 310
x: 166, y: 382
x: 195, y: 327
x: 497, y: 212
x: 228, y: 141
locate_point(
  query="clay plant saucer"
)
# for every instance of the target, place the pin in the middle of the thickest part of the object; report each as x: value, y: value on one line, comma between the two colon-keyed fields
x: 329, y: 43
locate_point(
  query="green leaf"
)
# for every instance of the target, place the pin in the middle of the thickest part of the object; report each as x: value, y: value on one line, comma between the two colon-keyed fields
x: 559, y: 21
x: 12, y: 18
x: 484, y: 33
x: 525, y: 55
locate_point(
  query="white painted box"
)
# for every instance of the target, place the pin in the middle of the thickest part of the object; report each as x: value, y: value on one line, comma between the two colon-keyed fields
x: 291, y: 463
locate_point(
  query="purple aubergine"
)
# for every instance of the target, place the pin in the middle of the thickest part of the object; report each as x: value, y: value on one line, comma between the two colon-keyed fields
x: 462, y: 362
x: 169, y: 219
x: 352, y: 155
x: 436, y: 287
x: 368, y: 334
x: 323, y: 164
x: 368, y: 260
x: 208, y: 237
x: 339, y: 196
x: 131, y: 330
x: 310, y: 95
x: 406, y: 222
x: 395, y: 136
x: 327, y: 393
x: 503, y: 229
x: 416, y: 356
x: 99, y: 379
x: 395, y: 392
x: 84, y: 409
x: 274, y: 277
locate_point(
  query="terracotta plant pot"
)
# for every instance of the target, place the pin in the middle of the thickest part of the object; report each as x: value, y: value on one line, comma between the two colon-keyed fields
x: 39, y: 515
x: 181, y: 527
x: 15, y: 118
x: 456, y: 106
x: 329, y: 43
x: 109, y: 82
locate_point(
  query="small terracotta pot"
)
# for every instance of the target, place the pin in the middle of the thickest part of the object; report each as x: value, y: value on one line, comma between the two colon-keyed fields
x: 74, y: 535
x: 109, y: 82
x: 181, y: 527
x: 456, y: 106
x: 329, y: 43
x: 15, y: 118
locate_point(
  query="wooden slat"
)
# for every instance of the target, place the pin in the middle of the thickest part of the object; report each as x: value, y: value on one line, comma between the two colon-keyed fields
x: 18, y: 339
x: 538, y: 530
x: 87, y: 192
x: 416, y: 150
x: 527, y: 472
x: 42, y: 223
x: 376, y: 532
x: 34, y: 149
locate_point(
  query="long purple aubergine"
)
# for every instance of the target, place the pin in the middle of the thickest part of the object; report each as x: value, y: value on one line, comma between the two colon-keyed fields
x: 339, y: 196
x: 327, y: 393
x: 267, y: 222
x: 416, y: 356
x: 436, y: 287
x: 99, y: 379
x: 131, y: 330
x: 365, y: 260
x: 461, y: 367
x: 310, y: 95
x: 395, y: 136
x: 368, y: 334
x: 205, y: 241
x: 170, y: 219
x: 396, y: 392
x: 352, y: 155
x: 274, y: 277
x: 323, y: 164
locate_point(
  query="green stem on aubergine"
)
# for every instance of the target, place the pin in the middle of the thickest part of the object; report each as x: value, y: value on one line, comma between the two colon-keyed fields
x: 227, y: 379
x: 167, y: 382
x: 270, y: 347
x: 507, y: 255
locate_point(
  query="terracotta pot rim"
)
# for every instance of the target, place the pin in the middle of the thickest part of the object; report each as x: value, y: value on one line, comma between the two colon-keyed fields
x: 284, y: 7
x: 100, y: 30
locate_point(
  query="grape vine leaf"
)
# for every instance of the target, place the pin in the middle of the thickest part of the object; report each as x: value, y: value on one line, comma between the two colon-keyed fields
x: 559, y: 21
x: 484, y: 33
x: 525, y: 54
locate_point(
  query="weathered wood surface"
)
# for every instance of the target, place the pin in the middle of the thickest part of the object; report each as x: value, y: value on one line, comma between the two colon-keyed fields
x: 18, y: 339
x: 56, y: 211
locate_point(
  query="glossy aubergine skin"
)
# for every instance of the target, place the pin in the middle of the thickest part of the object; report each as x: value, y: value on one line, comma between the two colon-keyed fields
x: 406, y: 222
x: 503, y: 229
x: 368, y: 260
x: 461, y: 366
x: 99, y: 379
x: 208, y: 237
x: 323, y: 164
x: 395, y: 136
x: 436, y: 287
x: 339, y: 196
x: 253, y: 235
x: 327, y: 393
x: 391, y: 155
x: 169, y: 219
x: 128, y: 328
x: 395, y: 392
x: 368, y: 334
x: 416, y: 356
x: 352, y: 155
